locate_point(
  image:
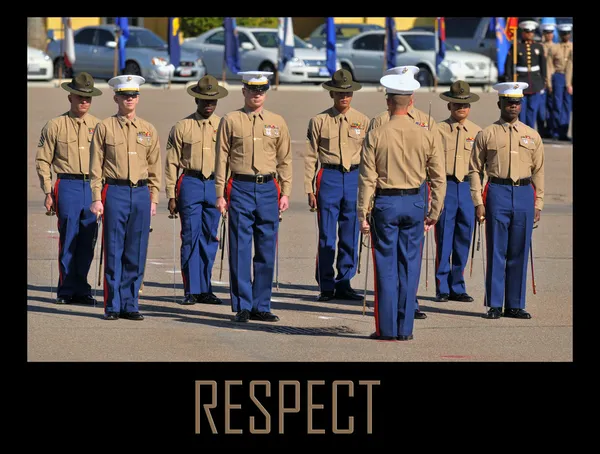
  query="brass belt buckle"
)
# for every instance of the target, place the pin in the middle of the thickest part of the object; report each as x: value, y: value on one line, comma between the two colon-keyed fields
x: 260, y: 179
x: 133, y: 185
x: 516, y: 183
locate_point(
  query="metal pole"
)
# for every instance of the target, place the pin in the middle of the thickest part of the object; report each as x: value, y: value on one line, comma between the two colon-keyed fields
x: 222, y: 243
x: 50, y: 213
x: 173, y: 217
x: 483, y: 266
x: 277, y: 254
x: 473, y: 246
x: 98, y: 222
x: 532, y: 272
x: 116, y: 56
x: 366, y: 276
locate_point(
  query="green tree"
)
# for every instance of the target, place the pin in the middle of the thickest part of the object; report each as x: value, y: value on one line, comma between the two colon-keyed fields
x: 194, y: 26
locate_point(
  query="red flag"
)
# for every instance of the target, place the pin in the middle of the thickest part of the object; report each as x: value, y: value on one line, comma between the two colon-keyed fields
x: 512, y: 24
x: 68, y: 43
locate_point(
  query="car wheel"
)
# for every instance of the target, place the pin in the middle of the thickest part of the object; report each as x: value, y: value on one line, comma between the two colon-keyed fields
x: 132, y: 68
x: 59, y: 64
x: 424, y: 76
x: 347, y: 68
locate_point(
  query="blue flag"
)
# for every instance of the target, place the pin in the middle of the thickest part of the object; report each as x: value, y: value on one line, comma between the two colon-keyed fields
x: 174, y: 41
x: 392, y: 42
x: 286, y: 41
x: 440, y: 42
x: 123, y: 24
x: 502, y: 43
x: 232, y: 44
x: 330, y: 45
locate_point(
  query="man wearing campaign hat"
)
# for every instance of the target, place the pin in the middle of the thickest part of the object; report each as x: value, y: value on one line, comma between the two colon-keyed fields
x: 423, y: 120
x: 543, y: 121
x: 191, y: 150
x: 334, y: 139
x: 530, y: 69
x: 125, y: 173
x: 455, y: 226
x: 560, y: 83
x: 395, y: 159
x: 64, y: 148
x: 255, y: 145
x: 512, y: 155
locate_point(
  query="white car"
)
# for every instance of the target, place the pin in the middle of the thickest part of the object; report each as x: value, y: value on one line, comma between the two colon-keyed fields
x: 363, y: 55
x: 258, y: 52
x: 39, y: 65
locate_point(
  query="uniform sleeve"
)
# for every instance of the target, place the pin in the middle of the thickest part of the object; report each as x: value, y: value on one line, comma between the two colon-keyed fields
x: 172, y: 162
x: 367, y: 178
x: 569, y: 70
x: 45, y: 156
x: 97, y: 161
x: 549, y: 68
x: 436, y: 168
x: 222, y: 149
x: 537, y: 174
x: 154, y: 168
x: 311, y: 158
x: 476, y: 164
x: 374, y: 123
x: 284, y: 161
x: 543, y: 66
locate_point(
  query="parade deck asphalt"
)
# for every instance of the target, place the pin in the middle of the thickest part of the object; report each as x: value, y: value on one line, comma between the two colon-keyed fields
x: 308, y: 331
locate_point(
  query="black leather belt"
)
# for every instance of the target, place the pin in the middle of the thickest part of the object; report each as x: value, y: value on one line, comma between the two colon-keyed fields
x: 339, y: 167
x: 258, y: 179
x: 72, y: 176
x: 453, y: 178
x: 509, y: 182
x: 393, y: 191
x: 125, y: 182
x: 198, y: 174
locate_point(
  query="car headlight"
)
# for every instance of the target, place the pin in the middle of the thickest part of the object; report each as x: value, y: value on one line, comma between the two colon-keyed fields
x: 452, y: 65
x: 199, y: 62
x: 46, y: 56
x: 295, y: 61
x: 159, y: 61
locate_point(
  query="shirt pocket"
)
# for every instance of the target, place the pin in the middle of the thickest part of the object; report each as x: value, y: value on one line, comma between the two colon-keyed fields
x: 239, y: 139
x: 269, y: 145
x: 494, y: 156
x: 112, y: 145
x: 357, y: 134
x: 329, y: 140
x: 526, y: 150
x: 189, y: 146
x: 64, y: 143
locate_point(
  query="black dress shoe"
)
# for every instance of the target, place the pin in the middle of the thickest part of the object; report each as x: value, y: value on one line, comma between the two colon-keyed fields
x: 405, y: 338
x: 420, y: 315
x: 326, y: 295
x: 208, y: 298
x: 189, y: 300
x: 87, y: 299
x: 132, y: 315
x: 111, y: 316
x: 493, y: 312
x: 516, y: 313
x: 442, y: 297
x: 382, y: 338
x: 242, y: 316
x: 264, y: 316
x: 62, y: 300
x: 348, y: 294
x: 462, y: 297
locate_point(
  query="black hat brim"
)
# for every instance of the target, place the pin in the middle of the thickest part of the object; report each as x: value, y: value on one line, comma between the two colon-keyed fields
x: 446, y: 96
x: 94, y: 92
x: 355, y: 86
x: 221, y: 92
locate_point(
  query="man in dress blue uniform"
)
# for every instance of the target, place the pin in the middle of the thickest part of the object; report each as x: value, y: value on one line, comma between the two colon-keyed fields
x: 334, y: 138
x: 395, y: 159
x: 125, y: 154
x: 191, y: 148
x: 530, y: 69
x: 512, y: 154
x: 255, y: 145
x: 65, y: 147
x: 455, y: 226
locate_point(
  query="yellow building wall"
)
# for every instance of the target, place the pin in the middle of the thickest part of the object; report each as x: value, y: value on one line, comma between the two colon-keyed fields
x: 55, y: 23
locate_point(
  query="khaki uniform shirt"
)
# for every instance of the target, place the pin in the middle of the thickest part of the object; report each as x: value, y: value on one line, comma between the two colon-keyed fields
x: 191, y: 145
x: 508, y: 153
x: 558, y: 59
x: 333, y: 138
x: 420, y: 118
x: 547, y: 45
x: 396, y: 155
x: 64, y: 145
x: 253, y: 146
x: 123, y: 154
x: 457, y: 143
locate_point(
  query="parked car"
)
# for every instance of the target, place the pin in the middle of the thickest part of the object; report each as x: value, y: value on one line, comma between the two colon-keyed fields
x: 259, y: 52
x: 146, y: 55
x: 363, y: 55
x: 39, y: 64
x: 343, y: 32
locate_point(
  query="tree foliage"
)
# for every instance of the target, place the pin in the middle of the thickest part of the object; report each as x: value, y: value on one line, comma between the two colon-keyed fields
x: 194, y: 26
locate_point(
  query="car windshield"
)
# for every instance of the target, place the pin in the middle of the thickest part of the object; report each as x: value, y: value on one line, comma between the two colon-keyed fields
x: 345, y: 32
x: 270, y: 40
x: 420, y: 42
x: 145, y: 38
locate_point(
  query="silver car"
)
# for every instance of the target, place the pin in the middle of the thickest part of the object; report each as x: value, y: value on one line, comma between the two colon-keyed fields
x: 363, y: 55
x: 39, y: 64
x: 146, y: 55
x: 258, y: 52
